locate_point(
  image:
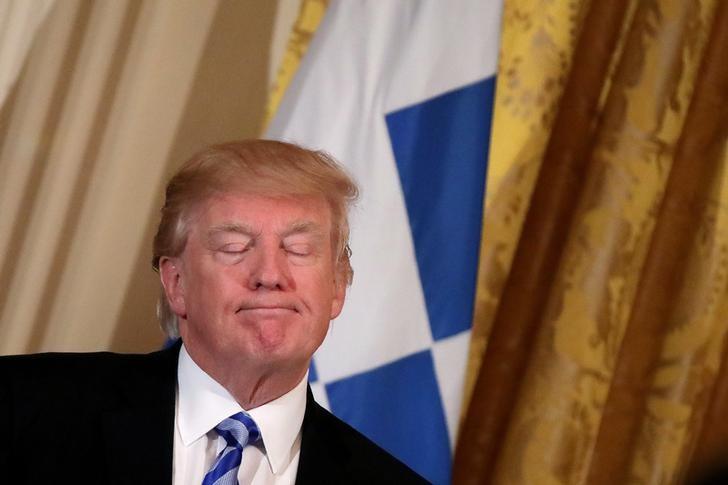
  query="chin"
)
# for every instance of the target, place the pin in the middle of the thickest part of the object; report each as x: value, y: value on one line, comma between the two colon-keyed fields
x: 284, y: 355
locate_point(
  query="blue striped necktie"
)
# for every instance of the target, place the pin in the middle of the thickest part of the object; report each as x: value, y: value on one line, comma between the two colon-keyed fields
x: 238, y: 431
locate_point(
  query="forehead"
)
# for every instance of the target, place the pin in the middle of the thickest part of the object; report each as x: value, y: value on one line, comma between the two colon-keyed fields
x: 262, y: 211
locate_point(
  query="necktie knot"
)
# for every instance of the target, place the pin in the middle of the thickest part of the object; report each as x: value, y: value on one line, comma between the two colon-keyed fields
x: 238, y: 431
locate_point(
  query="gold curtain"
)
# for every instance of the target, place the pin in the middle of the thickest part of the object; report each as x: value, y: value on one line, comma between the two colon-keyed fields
x: 310, y: 15
x: 599, y: 349
x: 111, y: 97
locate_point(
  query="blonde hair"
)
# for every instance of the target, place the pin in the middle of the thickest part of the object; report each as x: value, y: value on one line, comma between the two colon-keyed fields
x: 263, y: 167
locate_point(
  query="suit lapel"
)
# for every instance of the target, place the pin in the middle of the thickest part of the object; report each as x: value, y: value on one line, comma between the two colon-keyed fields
x: 323, y: 457
x: 139, y: 422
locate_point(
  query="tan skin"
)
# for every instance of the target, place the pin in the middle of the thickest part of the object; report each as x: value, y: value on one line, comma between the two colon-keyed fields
x: 255, y: 289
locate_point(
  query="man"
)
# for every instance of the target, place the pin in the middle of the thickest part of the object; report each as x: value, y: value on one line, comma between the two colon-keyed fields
x: 253, y: 260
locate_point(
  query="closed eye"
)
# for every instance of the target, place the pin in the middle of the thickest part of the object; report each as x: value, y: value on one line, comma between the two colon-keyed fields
x: 231, y: 253
x: 298, y: 249
x: 234, y: 248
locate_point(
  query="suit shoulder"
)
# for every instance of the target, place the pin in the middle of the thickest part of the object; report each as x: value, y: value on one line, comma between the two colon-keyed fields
x: 69, y: 364
x: 59, y: 376
x: 365, y: 461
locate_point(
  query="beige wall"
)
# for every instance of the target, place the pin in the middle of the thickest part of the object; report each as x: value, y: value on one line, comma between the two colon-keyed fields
x: 113, y: 96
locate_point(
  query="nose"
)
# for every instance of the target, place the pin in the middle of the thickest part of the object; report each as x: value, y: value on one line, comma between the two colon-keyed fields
x: 269, y: 269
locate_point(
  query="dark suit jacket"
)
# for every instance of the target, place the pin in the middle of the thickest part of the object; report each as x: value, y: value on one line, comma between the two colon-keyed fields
x: 109, y: 418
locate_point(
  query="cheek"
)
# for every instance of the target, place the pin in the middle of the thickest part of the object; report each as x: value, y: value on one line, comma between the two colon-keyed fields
x: 210, y: 291
x: 325, y: 295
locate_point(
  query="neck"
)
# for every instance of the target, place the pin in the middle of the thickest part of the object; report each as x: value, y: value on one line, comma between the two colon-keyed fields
x: 250, y: 385
x: 260, y: 388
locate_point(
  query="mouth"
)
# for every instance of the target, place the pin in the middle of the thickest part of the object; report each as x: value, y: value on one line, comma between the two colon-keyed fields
x: 267, y: 309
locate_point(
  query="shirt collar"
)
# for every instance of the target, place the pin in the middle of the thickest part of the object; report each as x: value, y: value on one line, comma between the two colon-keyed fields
x: 203, y: 403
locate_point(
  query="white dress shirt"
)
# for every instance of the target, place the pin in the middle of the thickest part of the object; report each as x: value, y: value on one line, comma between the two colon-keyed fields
x: 202, y: 403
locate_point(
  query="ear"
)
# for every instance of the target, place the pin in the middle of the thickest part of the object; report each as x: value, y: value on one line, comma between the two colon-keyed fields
x: 171, y: 277
x: 337, y: 303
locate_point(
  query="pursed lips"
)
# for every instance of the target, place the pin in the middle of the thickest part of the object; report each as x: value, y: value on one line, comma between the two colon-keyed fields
x: 267, y: 308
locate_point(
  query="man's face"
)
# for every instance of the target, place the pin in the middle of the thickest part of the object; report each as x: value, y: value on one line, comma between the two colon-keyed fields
x: 256, y: 283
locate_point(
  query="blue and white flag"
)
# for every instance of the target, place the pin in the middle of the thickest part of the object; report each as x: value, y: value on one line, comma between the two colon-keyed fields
x: 401, y: 92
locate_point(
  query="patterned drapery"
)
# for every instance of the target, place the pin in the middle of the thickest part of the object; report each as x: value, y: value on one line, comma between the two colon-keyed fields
x: 599, y: 345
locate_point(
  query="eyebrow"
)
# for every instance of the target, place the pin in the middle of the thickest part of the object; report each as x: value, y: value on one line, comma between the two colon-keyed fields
x: 300, y: 227
x: 230, y: 227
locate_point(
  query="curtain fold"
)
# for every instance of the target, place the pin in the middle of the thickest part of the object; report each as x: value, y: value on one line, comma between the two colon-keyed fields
x: 639, y: 386
x: 19, y: 22
x: 110, y: 98
x: 540, y: 245
x: 710, y: 445
x: 600, y: 359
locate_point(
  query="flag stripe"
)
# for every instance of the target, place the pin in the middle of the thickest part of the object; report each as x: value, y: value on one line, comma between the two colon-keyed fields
x: 441, y: 150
